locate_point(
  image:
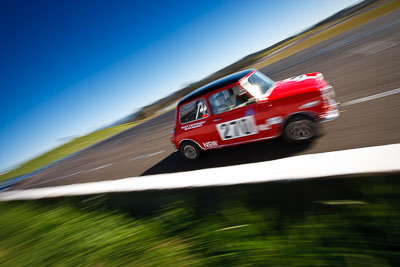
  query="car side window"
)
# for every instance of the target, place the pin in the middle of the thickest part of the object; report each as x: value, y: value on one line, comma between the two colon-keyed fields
x: 193, y: 111
x: 229, y: 99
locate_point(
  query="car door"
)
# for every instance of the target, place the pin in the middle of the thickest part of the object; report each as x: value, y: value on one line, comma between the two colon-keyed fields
x: 235, y: 116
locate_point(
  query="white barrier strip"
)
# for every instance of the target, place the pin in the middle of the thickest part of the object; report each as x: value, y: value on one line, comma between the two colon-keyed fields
x: 378, y: 159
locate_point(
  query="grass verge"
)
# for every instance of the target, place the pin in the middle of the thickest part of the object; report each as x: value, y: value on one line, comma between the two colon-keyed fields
x: 329, y: 222
x: 65, y: 150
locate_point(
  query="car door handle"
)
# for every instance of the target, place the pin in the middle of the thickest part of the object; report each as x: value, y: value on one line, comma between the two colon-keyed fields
x: 216, y: 119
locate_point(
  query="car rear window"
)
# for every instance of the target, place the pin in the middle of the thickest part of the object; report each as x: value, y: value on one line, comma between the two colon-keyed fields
x: 193, y: 111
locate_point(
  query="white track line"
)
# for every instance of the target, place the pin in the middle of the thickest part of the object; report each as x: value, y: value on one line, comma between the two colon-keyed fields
x: 372, y: 97
x: 69, y: 175
x: 55, y: 179
x: 378, y: 159
x: 147, y: 155
x: 100, y: 167
x: 94, y: 169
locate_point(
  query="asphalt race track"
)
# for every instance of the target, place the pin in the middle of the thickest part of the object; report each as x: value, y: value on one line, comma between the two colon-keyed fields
x: 359, y: 63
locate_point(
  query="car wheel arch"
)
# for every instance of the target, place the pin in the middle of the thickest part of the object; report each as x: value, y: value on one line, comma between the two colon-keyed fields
x: 310, y: 115
x: 190, y: 149
x: 189, y: 140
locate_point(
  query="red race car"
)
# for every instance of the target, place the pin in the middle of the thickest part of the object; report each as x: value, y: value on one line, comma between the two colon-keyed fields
x: 247, y: 106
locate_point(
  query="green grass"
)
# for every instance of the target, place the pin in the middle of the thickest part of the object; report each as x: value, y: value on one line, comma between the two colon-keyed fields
x: 65, y: 150
x: 283, y: 224
x: 63, y: 235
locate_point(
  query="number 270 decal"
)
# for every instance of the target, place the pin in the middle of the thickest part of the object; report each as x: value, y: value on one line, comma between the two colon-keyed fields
x: 237, y: 128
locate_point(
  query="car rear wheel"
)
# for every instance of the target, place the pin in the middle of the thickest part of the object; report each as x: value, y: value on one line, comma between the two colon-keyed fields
x: 300, y: 129
x: 190, y: 151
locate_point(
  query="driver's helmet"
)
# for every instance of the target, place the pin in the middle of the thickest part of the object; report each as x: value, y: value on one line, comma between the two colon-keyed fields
x: 220, y: 99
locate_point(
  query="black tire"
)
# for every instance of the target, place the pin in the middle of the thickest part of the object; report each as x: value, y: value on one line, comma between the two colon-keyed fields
x: 190, y: 150
x: 300, y: 129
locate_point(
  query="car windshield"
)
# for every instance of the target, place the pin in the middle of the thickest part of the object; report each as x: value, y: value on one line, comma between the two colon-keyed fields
x: 257, y: 84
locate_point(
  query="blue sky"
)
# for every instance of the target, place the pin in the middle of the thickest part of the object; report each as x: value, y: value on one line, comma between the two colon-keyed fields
x: 70, y: 67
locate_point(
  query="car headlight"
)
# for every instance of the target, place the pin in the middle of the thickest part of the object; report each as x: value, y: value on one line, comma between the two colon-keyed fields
x: 328, y: 91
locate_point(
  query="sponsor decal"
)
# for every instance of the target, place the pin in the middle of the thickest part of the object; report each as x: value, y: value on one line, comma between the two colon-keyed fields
x: 264, y: 127
x: 275, y: 120
x: 310, y: 104
x: 210, y: 144
x: 237, y: 128
x: 193, y: 125
x: 298, y: 78
x: 249, y: 112
x: 269, y: 122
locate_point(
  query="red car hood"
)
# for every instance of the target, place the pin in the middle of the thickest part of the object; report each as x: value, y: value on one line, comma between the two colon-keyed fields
x: 295, y: 85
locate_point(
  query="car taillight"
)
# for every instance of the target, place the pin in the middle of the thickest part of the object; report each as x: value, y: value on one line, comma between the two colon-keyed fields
x: 172, y: 136
x: 328, y: 92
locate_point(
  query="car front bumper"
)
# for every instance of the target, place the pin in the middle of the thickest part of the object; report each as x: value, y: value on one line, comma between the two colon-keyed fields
x: 331, y: 113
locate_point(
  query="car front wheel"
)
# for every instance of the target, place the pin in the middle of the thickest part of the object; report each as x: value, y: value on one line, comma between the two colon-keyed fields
x: 300, y: 129
x: 190, y: 151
